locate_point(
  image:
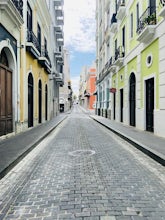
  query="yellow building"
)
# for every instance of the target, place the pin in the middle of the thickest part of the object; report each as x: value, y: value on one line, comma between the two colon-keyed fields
x: 35, y: 64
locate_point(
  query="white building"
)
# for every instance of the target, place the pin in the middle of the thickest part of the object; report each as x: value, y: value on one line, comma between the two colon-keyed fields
x: 65, y: 95
x: 57, y: 39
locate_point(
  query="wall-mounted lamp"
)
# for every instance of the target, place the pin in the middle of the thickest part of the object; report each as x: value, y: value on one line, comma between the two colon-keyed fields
x: 21, y: 47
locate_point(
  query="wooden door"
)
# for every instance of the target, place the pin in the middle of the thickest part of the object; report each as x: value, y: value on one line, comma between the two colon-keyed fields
x: 6, y: 117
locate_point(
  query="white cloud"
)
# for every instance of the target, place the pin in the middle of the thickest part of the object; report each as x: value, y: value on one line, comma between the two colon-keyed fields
x: 79, y: 25
x: 75, y: 85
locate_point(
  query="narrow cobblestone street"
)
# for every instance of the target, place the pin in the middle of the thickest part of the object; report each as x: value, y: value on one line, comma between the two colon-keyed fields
x: 82, y: 171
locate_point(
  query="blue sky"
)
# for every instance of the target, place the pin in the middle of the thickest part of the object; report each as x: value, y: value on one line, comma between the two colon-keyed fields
x: 79, y: 36
x: 80, y: 59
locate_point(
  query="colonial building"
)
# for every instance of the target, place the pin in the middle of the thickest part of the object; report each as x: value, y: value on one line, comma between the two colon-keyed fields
x: 57, y: 55
x: 82, y: 86
x: 87, y: 87
x: 130, y: 60
x: 11, y: 20
x: 65, y: 96
x: 35, y: 64
x: 90, y: 97
x: 31, y: 62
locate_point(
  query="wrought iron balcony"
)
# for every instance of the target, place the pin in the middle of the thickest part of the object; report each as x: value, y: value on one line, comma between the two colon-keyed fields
x: 14, y: 9
x: 113, y: 19
x: 44, y: 60
x: 44, y: 53
x: 34, y: 47
x: 113, y: 24
x: 19, y: 5
x: 147, y: 18
x: 59, y: 79
x: 146, y: 24
x: 119, y: 55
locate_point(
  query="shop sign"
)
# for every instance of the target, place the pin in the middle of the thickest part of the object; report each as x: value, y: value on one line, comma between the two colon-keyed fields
x: 113, y: 90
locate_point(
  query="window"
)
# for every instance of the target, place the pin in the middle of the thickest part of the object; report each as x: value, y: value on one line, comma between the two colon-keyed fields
x: 108, y: 18
x: 45, y: 44
x: 116, y: 54
x: 137, y: 16
x: 39, y: 36
x: 29, y: 17
x: 123, y: 38
x: 108, y: 51
x: 131, y: 28
x: 61, y: 68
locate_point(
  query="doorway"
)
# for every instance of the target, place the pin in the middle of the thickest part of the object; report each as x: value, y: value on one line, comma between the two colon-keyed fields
x: 150, y: 104
x: 114, y: 106
x: 121, y: 105
x: 39, y: 101
x: 46, y: 102
x: 30, y: 100
x: 132, y: 99
x: 6, y: 114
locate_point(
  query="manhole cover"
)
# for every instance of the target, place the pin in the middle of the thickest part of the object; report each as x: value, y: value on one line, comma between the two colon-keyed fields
x: 80, y: 153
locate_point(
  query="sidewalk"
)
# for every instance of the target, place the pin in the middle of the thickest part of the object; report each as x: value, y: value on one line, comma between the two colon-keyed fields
x: 13, y: 149
x: 147, y: 142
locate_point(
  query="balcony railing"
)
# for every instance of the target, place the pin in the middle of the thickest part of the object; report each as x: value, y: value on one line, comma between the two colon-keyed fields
x: 111, y: 61
x: 33, y: 39
x: 113, y: 19
x: 147, y: 18
x: 19, y: 5
x: 44, y: 53
x: 113, y: 25
x: 119, y: 53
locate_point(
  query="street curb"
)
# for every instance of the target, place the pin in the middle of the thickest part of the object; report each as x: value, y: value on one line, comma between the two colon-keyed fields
x: 153, y: 154
x: 31, y: 147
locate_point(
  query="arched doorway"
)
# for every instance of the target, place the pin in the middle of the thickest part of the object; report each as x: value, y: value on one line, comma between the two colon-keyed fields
x: 30, y: 100
x: 6, y: 114
x: 132, y: 99
x: 39, y: 101
x: 46, y: 102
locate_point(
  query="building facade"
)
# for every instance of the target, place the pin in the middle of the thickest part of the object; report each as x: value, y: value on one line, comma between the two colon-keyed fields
x: 30, y: 71
x: 130, y: 60
x: 65, y: 96
x: 82, y: 86
x: 57, y: 54
x: 35, y: 64
x: 90, y: 89
x: 11, y: 20
x: 87, y: 87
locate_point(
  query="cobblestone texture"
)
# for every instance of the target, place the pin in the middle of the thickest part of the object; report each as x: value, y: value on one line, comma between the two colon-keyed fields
x: 104, y: 180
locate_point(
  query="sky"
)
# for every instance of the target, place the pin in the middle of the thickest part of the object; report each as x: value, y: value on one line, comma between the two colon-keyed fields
x: 79, y: 36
